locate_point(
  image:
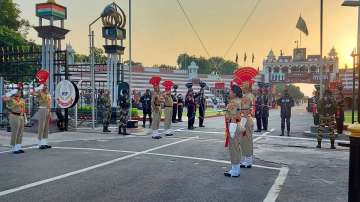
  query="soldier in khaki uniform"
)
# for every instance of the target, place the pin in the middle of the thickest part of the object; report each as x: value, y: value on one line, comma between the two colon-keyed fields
x: 168, y: 107
x: 156, y: 101
x: 44, y: 99
x: 16, y: 106
x: 234, y: 130
x: 246, y: 141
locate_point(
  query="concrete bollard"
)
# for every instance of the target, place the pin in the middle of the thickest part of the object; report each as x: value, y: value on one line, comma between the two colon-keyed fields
x: 354, y: 163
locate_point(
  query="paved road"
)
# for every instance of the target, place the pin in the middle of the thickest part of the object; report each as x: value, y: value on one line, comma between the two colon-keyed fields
x: 186, y: 167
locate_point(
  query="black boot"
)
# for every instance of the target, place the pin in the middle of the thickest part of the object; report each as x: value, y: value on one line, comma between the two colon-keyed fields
x: 288, y: 133
x: 282, y: 133
x: 119, y: 132
x: 105, y: 129
x: 332, y: 144
x: 319, y: 144
x: 125, y: 133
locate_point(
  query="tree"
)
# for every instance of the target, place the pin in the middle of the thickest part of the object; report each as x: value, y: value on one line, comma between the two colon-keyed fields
x: 10, y: 17
x: 9, y: 38
x: 99, y: 57
x: 164, y: 66
x: 206, y: 66
x: 294, y: 91
x: 133, y: 63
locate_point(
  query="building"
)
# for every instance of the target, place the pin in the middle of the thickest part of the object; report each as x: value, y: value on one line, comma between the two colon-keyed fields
x: 299, y: 68
x: 346, y: 77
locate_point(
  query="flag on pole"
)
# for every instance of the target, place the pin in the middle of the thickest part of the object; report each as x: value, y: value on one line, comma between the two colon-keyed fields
x: 253, y: 58
x: 301, y: 25
x: 245, y: 57
x: 237, y: 58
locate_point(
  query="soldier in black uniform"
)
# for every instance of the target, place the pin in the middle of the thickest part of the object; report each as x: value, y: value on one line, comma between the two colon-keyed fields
x: 258, y: 107
x: 124, y: 103
x: 191, y: 106
x: 286, y: 102
x: 265, y: 107
x: 202, y: 104
x: 180, y: 105
x: 175, y: 104
x: 146, y: 106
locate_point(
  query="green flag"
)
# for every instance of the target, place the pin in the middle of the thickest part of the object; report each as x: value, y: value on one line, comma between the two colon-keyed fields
x: 301, y: 25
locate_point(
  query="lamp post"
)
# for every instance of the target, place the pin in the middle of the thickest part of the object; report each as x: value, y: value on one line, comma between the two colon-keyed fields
x: 356, y: 3
x: 92, y: 69
x: 354, y: 160
x: 321, y: 48
x: 130, y: 58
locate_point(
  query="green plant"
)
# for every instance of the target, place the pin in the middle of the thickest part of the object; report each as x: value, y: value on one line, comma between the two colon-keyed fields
x: 134, y: 112
x: 84, y: 110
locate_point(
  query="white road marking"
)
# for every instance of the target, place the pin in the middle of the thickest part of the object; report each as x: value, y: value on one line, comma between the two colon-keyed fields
x: 95, y: 149
x: 206, y: 159
x: 159, y: 154
x: 305, y: 138
x: 263, y: 135
x: 25, y: 148
x: 275, y: 189
x: 9, y: 191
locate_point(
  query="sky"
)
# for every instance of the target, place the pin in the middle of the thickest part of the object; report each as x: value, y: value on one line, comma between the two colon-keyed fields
x: 161, y: 32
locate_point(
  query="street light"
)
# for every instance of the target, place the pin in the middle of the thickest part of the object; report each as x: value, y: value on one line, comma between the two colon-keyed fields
x: 354, y: 159
x: 356, y: 3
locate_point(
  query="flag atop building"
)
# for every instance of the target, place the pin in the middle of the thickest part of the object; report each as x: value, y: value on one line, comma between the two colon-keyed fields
x: 237, y: 58
x: 301, y: 25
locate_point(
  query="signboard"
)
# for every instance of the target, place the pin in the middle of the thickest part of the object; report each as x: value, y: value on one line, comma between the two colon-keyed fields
x: 66, y: 94
x: 220, y: 85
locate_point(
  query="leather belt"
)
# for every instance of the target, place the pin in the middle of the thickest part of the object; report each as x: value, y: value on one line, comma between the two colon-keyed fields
x: 42, y: 107
x: 17, y: 114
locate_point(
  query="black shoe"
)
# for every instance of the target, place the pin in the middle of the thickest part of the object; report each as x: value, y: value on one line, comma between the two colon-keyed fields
x: 282, y: 134
x: 144, y: 126
x: 106, y: 130
x: 21, y: 151
x: 332, y: 144
x: 125, y: 133
x: 244, y: 166
x: 156, y: 137
x: 319, y: 145
x: 288, y: 133
x: 257, y: 131
x: 17, y: 152
x: 202, y: 126
x: 169, y: 135
x: 48, y: 146
x: 227, y: 174
x: 43, y: 147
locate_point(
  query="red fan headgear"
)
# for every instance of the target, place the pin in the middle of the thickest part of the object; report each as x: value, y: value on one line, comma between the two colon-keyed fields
x: 155, y: 81
x: 245, y: 74
x: 42, y: 76
x: 168, y: 84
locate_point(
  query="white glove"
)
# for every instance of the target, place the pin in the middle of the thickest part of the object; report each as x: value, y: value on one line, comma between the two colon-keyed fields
x: 39, y: 88
x: 243, y: 122
x: 11, y: 93
x: 232, y: 129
